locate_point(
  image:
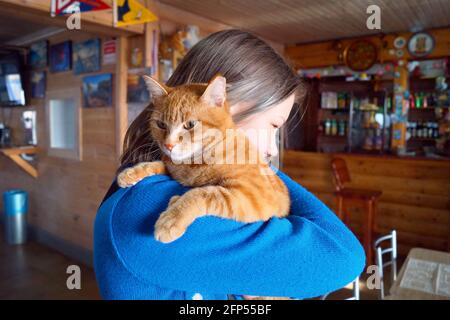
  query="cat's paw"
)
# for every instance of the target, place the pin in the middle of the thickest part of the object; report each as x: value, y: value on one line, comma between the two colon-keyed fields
x: 173, y: 200
x: 170, y: 226
x: 128, y: 178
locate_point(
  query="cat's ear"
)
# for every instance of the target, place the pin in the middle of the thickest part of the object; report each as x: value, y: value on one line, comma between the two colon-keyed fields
x: 155, y: 88
x: 215, y: 93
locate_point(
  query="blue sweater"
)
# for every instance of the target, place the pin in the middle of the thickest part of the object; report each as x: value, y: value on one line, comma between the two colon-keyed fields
x: 307, y: 254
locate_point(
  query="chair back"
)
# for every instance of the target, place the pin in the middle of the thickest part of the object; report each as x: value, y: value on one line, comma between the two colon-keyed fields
x: 355, y: 290
x: 340, y: 172
x: 382, y: 263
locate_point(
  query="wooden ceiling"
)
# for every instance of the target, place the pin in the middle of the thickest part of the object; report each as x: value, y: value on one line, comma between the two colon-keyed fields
x: 12, y: 28
x: 302, y: 21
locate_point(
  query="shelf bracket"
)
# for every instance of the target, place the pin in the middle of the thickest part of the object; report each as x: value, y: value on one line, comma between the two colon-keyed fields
x: 14, y: 155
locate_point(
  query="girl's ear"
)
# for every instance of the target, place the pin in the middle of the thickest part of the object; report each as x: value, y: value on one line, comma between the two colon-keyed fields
x: 156, y: 89
x: 215, y: 93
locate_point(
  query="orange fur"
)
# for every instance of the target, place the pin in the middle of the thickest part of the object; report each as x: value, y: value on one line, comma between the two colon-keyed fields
x: 239, y: 191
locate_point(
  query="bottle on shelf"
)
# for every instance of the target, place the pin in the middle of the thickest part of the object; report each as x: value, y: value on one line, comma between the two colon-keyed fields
x: 419, y: 130
x: 334, y: 129
x: 327, y: 127
x: 424, y: 100
x: 414, y: 129
x: 412, y: 101
x: 430, y: 130
x: 418, y: 101
x: 341, y: 128
x: 389, y: 103
x: 432, y: 100
x: 342, y: 101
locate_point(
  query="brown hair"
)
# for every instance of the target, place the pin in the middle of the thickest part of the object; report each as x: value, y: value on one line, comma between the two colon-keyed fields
x: 256, y: 75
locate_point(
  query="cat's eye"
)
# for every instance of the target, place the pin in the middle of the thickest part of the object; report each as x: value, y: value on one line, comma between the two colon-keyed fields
x: 160, y: 124
x: 190, y: 124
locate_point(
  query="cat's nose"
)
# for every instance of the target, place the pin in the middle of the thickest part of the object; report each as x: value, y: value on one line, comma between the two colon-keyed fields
x: 169, y: 146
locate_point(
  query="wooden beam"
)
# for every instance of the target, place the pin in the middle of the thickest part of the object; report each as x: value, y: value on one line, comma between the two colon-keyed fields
x: 148, y: 35
x: 21, y: 150
x: 99, y: 22
x: 322, y: 54
x: 121, y: 105
x: 36, y: 36
x: 206, y: 25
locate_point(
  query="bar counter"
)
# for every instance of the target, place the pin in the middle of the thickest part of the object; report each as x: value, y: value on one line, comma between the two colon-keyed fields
x: 415, y: 199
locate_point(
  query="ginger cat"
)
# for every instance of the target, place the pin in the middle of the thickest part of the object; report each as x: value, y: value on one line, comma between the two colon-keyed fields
x: 202, y: 149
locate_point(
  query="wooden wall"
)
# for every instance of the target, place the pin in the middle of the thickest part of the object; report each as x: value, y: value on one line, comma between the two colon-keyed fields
x: 415, y: 200
x: 328, y: 53
x: 65, y: 196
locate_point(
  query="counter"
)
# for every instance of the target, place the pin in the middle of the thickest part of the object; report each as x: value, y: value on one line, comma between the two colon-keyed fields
x: 416, y: 192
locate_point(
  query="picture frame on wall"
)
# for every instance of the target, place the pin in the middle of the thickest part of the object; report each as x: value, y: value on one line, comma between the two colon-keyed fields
x: 421, y: 44
x: 38, y: 84
x: 86, y: 56
x: 61, y: 57
x: 137, y: 91
x: 38, y: 55
x: 97, y: 91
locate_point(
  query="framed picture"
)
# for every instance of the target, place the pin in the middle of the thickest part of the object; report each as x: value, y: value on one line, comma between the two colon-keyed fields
x: 97, y: 91
x: 421, y: 44
x: 61, y: 57
x: 136, y: 88
x: 360, y: 55
x: 38, y: 84
x: 39, y: 55
x: 86, y: 56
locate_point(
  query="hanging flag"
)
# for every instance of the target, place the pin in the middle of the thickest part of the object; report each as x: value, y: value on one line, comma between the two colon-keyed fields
x: 62, y: 7
x: 128, y: 12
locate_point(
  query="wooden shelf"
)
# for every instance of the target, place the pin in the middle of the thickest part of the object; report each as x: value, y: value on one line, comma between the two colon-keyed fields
x: 14, y: 155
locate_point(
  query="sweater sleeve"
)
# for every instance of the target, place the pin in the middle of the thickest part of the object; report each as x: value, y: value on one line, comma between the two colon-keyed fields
x: 309, y: 253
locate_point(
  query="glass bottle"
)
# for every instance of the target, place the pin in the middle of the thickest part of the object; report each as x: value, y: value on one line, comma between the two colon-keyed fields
x: 327, y: 127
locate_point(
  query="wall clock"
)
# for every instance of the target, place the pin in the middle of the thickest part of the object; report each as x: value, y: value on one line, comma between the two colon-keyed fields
x: 421, y: 44
x: 360, y: 55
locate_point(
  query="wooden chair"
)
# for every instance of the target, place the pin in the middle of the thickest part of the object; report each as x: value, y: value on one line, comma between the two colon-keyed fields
x: 346, y: 197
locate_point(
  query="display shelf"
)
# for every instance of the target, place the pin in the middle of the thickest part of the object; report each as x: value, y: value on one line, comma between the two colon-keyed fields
x: 15, y: 155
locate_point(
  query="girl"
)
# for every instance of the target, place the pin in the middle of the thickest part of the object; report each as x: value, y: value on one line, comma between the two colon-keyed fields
x: 307, y: 254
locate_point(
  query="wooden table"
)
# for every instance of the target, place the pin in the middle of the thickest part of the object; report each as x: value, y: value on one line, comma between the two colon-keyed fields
x: 14, y: 155
x: 400, y: 293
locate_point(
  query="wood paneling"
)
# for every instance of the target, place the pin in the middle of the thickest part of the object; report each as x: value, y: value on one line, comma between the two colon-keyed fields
x: 415, y: 200
x: 65, y: 196
x: 301, y: 21
x: 39, y: 11
x: 327, y: 53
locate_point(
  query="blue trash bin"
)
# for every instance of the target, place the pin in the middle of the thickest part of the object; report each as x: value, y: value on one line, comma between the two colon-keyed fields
x: 15, y: 216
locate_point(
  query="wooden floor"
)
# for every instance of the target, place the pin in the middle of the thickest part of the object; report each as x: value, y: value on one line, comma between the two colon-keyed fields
x: 33, y: 271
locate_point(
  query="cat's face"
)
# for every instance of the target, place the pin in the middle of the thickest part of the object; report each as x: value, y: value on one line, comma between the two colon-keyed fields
x: 187, y: 120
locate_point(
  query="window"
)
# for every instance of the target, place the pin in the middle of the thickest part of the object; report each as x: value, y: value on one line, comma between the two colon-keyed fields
x: 63, y: 124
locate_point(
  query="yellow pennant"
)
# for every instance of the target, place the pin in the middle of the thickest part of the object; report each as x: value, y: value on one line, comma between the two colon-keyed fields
x: 128, y: 12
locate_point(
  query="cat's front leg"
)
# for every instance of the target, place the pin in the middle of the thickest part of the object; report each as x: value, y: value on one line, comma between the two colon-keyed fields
x: 182, y: 211
x: 130, y: 176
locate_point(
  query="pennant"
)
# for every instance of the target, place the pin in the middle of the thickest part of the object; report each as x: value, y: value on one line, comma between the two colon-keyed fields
x: 128, y: 12
x: 62, y: 7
